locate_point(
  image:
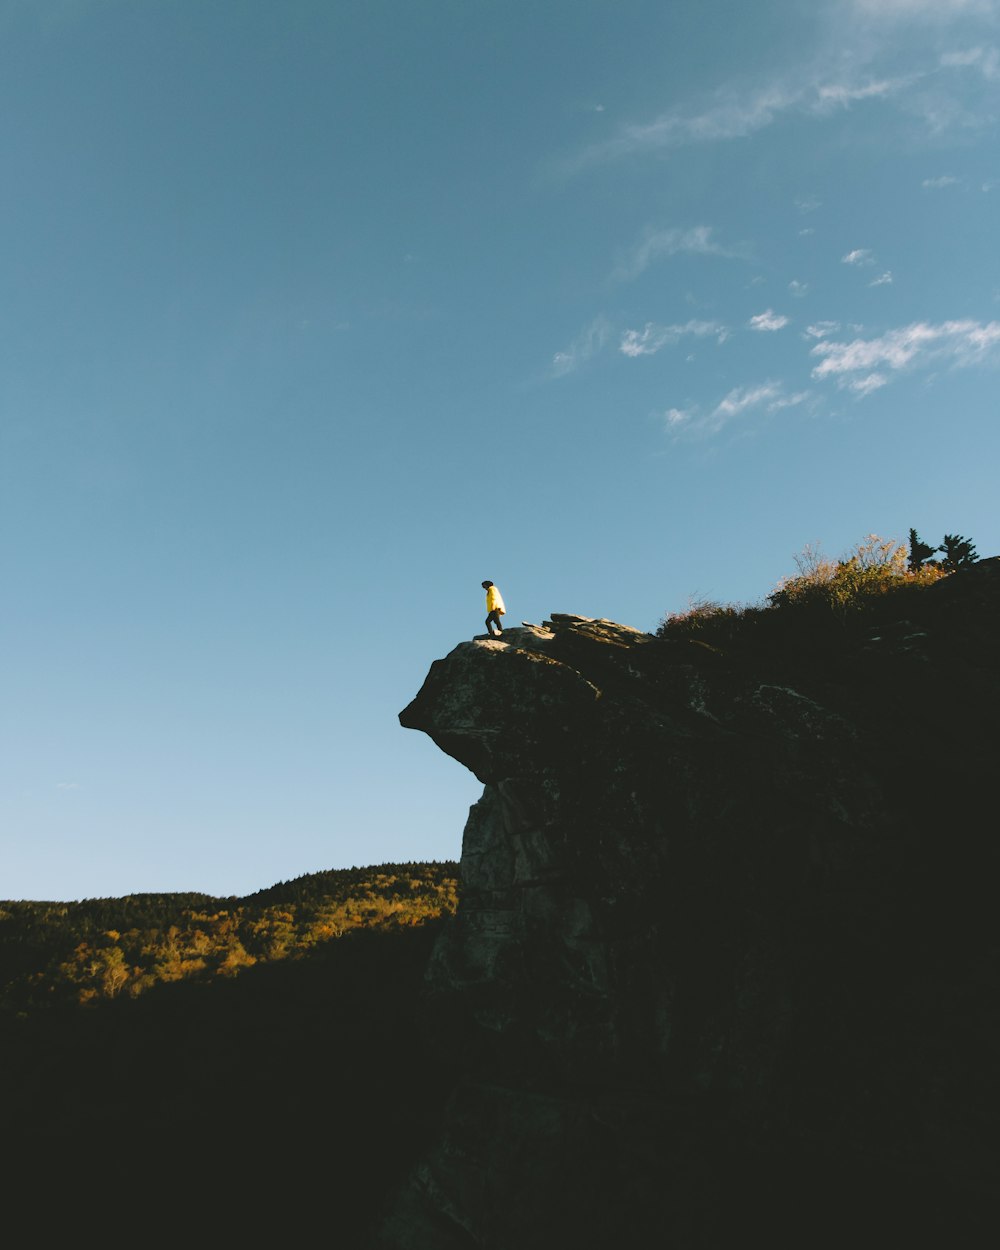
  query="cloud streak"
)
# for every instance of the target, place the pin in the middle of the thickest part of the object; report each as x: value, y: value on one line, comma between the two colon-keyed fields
x: 734, y: 115
x: 865, y: 385
x: 652, y: 338
x: 768, y: 321
x: 986, y: 60
x: 861, y: 364
x: 812, y: 89
x: 769, y: 396
x: 586, y: 345
x: 937, y: 11
x: 657, y: 245
x: 822, y: 328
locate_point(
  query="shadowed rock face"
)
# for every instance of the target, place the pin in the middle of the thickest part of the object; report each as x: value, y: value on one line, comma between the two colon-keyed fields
x: 724, y: 946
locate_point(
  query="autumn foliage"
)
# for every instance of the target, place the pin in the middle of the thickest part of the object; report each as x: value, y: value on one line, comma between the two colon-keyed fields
x: 877, y: 576
x: 99, y: 949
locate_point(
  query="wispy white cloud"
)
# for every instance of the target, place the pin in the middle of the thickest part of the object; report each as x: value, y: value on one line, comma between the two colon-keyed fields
x: 856, y: 365
x: 768, y: 397
x: 788, y: 401
x: 651, y: 338
x: 867, y: 384
x: 947, y: 101
x: 821, y: 329
x: 833, y: 95
x: 862, y: 33
x: 985, y: 60
x: 656, y: 245
x: 742, y: 397
x: 935, y: 184
x: 771, y: 396
x: 860, y: 256
x: 944, y: 112
x: 938, y: 11
x: 736, y: 115
x: 587, y: 344
x: 807, y: 230
x: 797, y: 288
x: 67, y: 785
x: 768, y: 321
x: 807, y: 203
x: 730, y: 118
x: 884, y: 279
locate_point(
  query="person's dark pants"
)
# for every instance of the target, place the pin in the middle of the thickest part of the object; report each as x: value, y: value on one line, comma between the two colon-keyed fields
x: 494, y: 619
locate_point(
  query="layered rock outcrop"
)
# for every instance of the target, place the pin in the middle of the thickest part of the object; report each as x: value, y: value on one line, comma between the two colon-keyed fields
x: 725, y: 954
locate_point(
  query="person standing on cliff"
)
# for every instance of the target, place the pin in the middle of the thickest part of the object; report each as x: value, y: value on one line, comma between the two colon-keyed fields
x: 494, y: 610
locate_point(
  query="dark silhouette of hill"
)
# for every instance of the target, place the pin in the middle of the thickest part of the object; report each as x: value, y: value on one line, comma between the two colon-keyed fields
x: 253, y: 1093
x: 289, y: 1097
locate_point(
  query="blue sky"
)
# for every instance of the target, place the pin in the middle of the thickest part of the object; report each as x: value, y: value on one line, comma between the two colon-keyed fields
x: 316, y: 314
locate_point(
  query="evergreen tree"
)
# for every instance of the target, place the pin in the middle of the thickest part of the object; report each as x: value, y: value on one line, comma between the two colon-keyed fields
x: 959, y: 553
x: 920, y: 552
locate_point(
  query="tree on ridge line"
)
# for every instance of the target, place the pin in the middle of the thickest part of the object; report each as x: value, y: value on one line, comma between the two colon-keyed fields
x: 959, y: 553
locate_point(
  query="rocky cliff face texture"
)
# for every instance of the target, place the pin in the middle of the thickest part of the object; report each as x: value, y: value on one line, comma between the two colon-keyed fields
x: 725, y: 958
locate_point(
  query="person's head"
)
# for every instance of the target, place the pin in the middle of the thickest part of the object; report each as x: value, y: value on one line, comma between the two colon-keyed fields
x: 487, y: 585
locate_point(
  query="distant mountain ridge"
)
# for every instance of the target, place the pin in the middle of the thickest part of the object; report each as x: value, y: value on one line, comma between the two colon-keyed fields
x: 100, y: 948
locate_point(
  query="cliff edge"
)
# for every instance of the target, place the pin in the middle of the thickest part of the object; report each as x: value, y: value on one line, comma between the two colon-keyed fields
x: 725, y: 957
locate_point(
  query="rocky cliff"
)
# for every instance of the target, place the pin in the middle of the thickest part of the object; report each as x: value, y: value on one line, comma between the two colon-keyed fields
x: 725, y: 958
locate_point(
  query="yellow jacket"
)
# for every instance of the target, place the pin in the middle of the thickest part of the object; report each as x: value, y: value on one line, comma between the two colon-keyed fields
x: 494, y: 600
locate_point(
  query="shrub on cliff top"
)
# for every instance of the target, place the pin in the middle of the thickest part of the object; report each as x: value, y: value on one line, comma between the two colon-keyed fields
x: 709, y: 622
x: 875, y: 567
x: 822, y: 591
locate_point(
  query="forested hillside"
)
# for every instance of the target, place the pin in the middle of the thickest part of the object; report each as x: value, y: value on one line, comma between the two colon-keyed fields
x: 292, y: 1096
x: 103, y: 948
